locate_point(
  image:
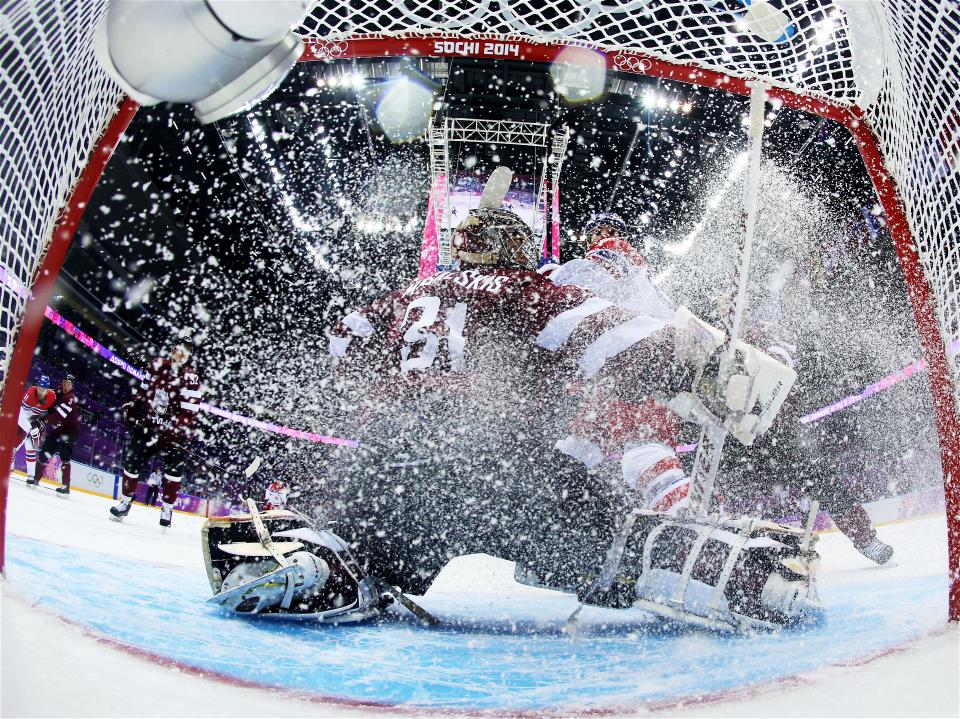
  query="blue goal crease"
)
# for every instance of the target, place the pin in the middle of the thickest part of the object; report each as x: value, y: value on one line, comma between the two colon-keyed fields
x: 481, y: 659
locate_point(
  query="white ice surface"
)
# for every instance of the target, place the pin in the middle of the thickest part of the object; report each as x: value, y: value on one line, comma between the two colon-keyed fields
x: 49, y: 667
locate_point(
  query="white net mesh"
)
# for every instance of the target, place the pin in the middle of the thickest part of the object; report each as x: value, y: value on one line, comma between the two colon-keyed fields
x: 917, y: 120
x: 55, y: 101
x: 713, y: 35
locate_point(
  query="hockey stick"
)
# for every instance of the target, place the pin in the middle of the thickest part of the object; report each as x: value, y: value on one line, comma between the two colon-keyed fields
x: 496, y: 189
x: 713, y: 434
x: 263, y: 534
x: 30, y: 485
x: 411, y: 606
x: 248, y: 471
x: 608, y: 571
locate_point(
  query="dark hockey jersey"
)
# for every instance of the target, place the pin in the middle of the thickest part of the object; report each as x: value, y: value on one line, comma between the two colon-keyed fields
x: 66, y: 413
x: 467, y: 380
x: 168, y: 399
x: 473, y: 328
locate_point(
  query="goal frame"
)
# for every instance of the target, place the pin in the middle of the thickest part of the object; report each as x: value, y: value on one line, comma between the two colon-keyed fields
x: 452, y: 45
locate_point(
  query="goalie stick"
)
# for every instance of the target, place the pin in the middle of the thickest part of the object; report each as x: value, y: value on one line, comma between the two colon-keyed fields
x: 713, y: 434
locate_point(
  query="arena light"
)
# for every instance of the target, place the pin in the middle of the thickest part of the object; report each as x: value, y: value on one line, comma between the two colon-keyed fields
x: 652, y: 100
x: 220, y: 56
x: 684, y: 246
x: 296, y: 217
x: 579, y: 74
x: 403, y: 110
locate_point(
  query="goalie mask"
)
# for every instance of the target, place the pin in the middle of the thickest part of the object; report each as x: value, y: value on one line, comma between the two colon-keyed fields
x: 495, y: 237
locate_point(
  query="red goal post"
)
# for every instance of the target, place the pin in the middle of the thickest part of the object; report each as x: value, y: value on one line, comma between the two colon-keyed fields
x: 61, y: 117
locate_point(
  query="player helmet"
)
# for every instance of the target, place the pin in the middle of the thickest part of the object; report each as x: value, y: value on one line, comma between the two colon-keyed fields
x: 495, y: 237
x: 610, y: 220
x: 181, y: 352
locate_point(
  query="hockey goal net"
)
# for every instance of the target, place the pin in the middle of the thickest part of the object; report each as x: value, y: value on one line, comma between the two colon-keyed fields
x: 888, y: 71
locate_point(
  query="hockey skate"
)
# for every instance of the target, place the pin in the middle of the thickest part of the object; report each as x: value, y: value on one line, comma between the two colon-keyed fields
x: 166, y: 515
x: 33, y: 482
x: 876, y: 551
x: 121, y: 510
x: 63, y: 490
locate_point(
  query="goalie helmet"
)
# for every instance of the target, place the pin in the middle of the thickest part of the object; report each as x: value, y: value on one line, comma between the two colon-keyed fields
x: 495, y: 237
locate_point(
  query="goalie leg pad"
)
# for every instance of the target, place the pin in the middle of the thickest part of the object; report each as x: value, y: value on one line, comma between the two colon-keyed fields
x: 320, y: 582
x: 728, y: 575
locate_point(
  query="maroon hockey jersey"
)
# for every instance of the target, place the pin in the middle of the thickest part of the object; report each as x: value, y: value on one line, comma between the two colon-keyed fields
x: 477, y: 323
x: 168, y: 399
x: 66, y: 413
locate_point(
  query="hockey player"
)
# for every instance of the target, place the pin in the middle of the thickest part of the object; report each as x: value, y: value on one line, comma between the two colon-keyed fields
x: 817, y: 460
x: 63, y: 425
x: 460, y: 387
x: 34, y: 407
x: 276, y: 495
x: 153, y: 487
x: 614, y: 269
x: 160, y: 421
x: 644, y: 435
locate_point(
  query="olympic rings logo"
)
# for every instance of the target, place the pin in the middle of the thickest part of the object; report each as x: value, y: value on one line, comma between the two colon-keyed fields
x: 325, y: 50
x: 628, y: 62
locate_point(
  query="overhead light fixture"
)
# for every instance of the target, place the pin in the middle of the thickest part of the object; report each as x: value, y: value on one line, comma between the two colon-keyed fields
x: 655, y: 101
x: 403, y: 109
x: 221, y: 56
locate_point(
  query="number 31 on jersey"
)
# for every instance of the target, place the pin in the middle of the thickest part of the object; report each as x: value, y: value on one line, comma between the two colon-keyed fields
x: 421, y: 342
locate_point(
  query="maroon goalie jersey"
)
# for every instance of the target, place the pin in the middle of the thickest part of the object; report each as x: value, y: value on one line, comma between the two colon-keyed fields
x: 168, y: 399
x: 488, y: 323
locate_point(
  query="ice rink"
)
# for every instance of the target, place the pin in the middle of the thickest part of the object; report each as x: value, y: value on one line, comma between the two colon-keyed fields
x: 108, y: 619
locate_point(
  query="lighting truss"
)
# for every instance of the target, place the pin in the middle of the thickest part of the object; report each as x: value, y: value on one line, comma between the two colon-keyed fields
x: 489, y: 132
